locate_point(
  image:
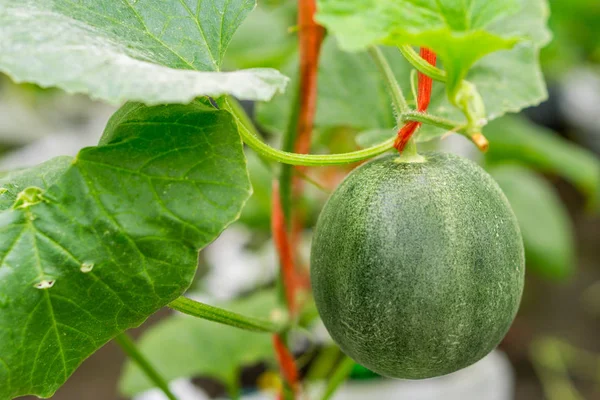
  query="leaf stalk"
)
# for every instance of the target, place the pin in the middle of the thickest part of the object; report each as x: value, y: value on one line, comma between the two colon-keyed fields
x: 129, y: 347
x: 398, y: 99
x: 219, y: 315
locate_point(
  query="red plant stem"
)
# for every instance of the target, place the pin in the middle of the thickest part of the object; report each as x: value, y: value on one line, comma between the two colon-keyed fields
x: 310, y: 37
x: 281, y: 238
x: 404, y: 134
x: 423, y: 99
x: 284, y: 249
x: 425, y: 82
x: 286, y: 361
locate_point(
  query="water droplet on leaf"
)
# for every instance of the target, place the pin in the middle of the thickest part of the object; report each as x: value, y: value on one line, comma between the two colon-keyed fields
x: 44, y: 284
x: 86, y: 267
x: 28, y: 197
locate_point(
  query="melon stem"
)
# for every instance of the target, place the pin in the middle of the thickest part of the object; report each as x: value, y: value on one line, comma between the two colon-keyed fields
x: 410, y: 149
x: 409, y: 153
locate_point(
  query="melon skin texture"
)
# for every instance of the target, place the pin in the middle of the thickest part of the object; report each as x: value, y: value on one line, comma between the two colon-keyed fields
x: 417, y: 268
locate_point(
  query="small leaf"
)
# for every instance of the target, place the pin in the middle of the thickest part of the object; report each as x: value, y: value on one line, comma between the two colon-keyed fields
x: 117, y: 50
x: 113, y: 238
x: 184, y: 347
x: 461, y: 33
x: 544, y: 221
x: 509, y: 80
x: 516, y: 139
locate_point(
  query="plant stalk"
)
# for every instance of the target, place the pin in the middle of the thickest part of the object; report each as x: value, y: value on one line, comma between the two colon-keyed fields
x: 410, y: 150
x: 219, y: 315
x: 340, y: 374
x: 398, y: 99
x: 134, y: 354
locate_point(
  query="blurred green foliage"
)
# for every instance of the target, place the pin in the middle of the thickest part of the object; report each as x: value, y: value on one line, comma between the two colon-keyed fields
x: 576, y: 30
x: 545, y: 224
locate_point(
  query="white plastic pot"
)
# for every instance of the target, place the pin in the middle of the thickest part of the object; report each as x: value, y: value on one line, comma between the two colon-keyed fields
x: 491, y: 379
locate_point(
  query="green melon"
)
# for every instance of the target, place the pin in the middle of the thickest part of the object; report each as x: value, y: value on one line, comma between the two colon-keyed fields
x: 417, y: 268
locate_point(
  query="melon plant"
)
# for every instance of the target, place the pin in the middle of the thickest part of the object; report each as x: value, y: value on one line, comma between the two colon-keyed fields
x: 417, y: 261
x: 417, y: 266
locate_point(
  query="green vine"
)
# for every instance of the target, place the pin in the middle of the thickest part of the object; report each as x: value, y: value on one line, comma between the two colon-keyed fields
x: 421, y: 65
x: 305, y: 159
x: 285, y: 157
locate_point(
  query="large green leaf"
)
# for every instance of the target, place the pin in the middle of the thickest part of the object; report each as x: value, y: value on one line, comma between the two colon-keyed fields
x: 91, y: 246
x: 142, y: 50
x: 544, y: 221
x: 183, y: 347
x: 461, y: 32
x: 516, y: 139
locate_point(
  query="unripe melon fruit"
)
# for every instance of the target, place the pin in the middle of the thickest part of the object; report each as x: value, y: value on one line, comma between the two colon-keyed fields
x: 417, y: 267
